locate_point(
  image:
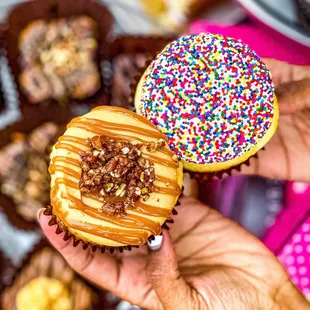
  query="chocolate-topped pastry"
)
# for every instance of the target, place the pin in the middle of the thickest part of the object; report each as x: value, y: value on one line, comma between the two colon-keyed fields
x: 24, y: 173
x: 125, y: 67
x: 114, y: 179
x: 47, y: 282
x: 58, y: 59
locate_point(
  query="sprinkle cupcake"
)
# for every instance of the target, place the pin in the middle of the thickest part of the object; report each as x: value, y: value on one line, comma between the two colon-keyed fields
x: 114, y: 180
x: 47, y: 282
x: 213, y: 98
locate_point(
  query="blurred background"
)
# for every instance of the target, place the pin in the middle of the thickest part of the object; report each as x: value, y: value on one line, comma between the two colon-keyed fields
x: 276, y: 211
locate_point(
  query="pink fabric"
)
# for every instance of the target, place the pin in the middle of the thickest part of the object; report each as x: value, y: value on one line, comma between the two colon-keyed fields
x: 266, y: 44
x: 289, y: 237
x: 295, y: 256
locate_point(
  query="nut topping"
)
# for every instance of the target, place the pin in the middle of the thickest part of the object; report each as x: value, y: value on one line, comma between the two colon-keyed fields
x: 155, y: 146
x: 117, y: 172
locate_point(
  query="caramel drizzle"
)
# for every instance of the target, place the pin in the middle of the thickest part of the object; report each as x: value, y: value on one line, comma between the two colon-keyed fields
x: 140, y: 206
x: 132, y: 220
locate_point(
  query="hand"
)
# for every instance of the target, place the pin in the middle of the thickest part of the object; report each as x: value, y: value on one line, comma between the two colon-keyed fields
x: 206, y: 262
x: 287, y: 155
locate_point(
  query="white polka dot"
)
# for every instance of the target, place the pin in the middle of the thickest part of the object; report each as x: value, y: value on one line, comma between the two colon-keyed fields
x: 300, y: 259
x: 297, y: 238
x: 302, y: 270
x: 289, y: 260
x: 304, y: 281
x: 292, y: 270
x: 288, y: 249
x: 305, y: 227
x: 308, y: 248
x: 299, y: 249
x: 307, y: 238
x: 295, y: 280
x: 299, y: 188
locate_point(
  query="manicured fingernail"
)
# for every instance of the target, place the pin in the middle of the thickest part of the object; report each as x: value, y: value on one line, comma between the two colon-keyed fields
x: 39, y: 213
x: 155, y: 245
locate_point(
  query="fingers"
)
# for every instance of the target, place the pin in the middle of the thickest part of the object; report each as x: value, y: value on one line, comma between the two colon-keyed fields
x: 283, y: 72
x: 190, y: 186
x: 99, y: 268
x: 163, y: 273
x: 292, y: 84
x: 294, y: 96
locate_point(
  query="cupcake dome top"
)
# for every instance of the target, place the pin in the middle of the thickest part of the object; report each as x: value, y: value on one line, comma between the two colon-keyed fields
x: 212, y: 96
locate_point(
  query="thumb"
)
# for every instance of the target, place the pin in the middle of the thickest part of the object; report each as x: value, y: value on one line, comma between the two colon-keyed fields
x: 294, y: 96
x: 163, y: 274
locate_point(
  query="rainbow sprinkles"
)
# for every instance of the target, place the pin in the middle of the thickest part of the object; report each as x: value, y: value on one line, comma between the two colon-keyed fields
x: 212, y: 96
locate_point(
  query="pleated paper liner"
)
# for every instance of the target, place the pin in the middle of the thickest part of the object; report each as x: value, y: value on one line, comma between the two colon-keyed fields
x: 43, y: 260
x: 7, y: 272
x: 23, y: 14
x: 128, y: 54
x: 18, y: 218
x: 61, y: 228
x: 209, y: 176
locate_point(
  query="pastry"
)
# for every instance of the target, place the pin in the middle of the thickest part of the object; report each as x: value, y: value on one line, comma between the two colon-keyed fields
x: 58, y: 59
x: 213, y: 98
x: 24, y: 173
x: 47, y: 282
x: 114, y: 180
x: 125, y: 68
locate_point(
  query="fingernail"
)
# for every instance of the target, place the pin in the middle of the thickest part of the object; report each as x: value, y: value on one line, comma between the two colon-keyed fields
x: 155, y: 245
x: 39, y: 213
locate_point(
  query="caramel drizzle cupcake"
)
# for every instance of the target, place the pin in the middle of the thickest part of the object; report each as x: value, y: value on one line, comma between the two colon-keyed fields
x: 114, y: 179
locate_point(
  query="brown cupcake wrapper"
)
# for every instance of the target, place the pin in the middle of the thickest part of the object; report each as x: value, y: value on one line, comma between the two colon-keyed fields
x: 61, y: 228
x: 24, y: 13
x: 136, y: 79
x: 209, y: 176
x: 16, y: 220
x: 40, y: 245
x: 7, y: 203
x: 7, y: 272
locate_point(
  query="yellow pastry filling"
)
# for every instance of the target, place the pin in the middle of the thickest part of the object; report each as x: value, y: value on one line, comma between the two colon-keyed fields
x: 43, y: 294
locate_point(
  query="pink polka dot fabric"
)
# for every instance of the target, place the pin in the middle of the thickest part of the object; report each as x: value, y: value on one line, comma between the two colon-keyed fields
x: 295, y: 256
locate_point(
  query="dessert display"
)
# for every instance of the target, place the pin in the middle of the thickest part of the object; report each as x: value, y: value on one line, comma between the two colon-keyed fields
x: 58, y: 59
x: 24, y: 173
x: 114, y: 180
x: 213, y: 98
x: 47, y: 282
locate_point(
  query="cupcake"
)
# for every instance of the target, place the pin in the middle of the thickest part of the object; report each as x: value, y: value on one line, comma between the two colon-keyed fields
x: 24, y: 176
x: 303, y: 10
x: 58, y: 59
x: 213, y: 98
x: 47, y: 282
x: 114, y: 180
x: 125, y: 68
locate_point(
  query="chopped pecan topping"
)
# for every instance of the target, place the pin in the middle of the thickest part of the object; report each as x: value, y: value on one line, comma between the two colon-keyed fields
x: 155, y: 146
x: 118, y: 170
